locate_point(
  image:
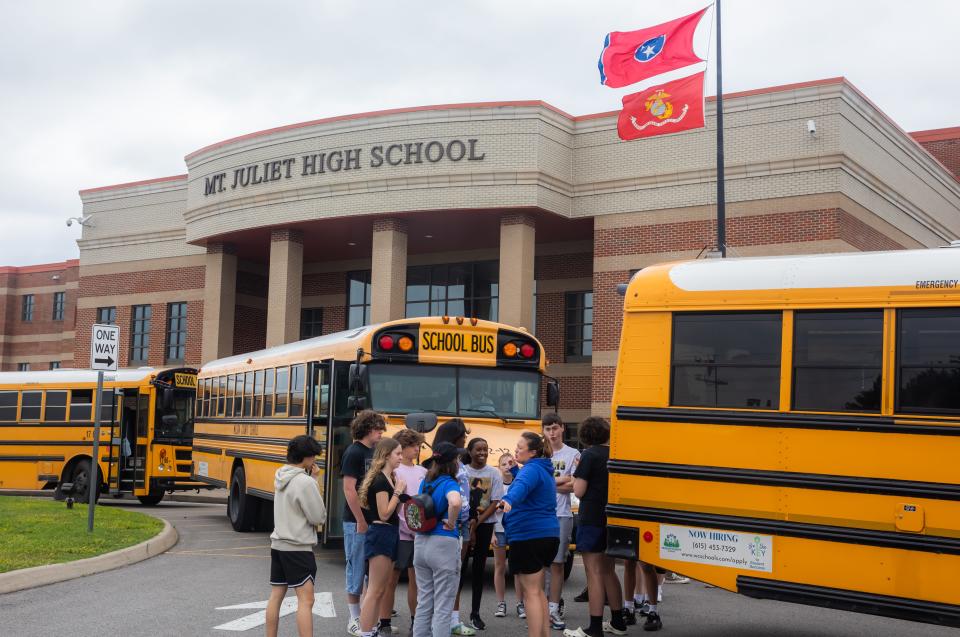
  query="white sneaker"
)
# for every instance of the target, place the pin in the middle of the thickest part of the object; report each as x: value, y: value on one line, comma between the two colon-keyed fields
x: 353, y: 627
x: 609, y: 628
x: 501, y: 610
x: 673, y: 578
x: 579, y: 632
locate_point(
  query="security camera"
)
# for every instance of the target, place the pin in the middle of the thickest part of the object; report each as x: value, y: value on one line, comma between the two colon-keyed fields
x: 811, y: 127
x: 83, y: 221
x: 69, y: 222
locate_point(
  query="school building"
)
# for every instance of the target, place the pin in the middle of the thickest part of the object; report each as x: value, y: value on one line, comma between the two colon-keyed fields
x: 514, y: 211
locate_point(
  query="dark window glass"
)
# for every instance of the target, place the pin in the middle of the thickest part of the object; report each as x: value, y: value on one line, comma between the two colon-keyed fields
x: 140, y: 333
x: 928, y: 360
x: 26, y: 309
x: 231, y: 391
x: 248, y: 394
x: 455, y: 289
x: 237, y: 395
x: 297, y: 387
x: 837, y: 359
x: 268, y: 393
x: 283, y: 376
x: 58, y: 303
x: 54, y: 364
x: 107, y: 315
x: 358, y: 298
x: 726, y: 360
x: 311, y: 322
x: 55, y: 406
x: 81, y: 405
x: 176, y: 332
x: 8, y: 406
x: 257, y: 392
x: 578, y: 328
x: 321, y: 394
x: 107, y: 407
x: 30, y: 405
x: 205, y: 403
x: 23, y: 367
x: 221, y: 395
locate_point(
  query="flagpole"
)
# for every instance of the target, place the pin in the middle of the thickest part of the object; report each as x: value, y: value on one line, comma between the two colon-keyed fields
x: 721, y: 203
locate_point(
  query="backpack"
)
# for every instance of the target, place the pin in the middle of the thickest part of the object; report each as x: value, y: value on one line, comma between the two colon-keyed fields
x: 419, y: 511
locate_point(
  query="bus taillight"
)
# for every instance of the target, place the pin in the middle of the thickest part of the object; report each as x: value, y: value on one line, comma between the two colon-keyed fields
x: 527, y: 350
x: 386, y: 342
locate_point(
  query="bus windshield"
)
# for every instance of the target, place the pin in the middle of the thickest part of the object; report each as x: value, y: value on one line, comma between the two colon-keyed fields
x: 180, y: 429
x: 451, y: 390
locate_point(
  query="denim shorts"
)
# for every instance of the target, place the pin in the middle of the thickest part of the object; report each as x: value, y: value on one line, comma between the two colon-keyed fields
x: 501, y: 539
x: 353, y: 550
x: 591, y: 539
x: 381, y: 539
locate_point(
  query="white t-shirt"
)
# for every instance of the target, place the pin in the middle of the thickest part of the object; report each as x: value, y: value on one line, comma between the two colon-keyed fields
x: 564, y: 463
x: 489, y: 483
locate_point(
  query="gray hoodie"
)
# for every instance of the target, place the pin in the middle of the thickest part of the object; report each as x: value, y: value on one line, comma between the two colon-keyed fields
x: 297, y: 510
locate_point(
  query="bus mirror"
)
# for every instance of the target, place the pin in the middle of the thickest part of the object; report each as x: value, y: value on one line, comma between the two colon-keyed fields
x: 553, y: 393
x: 424, y: 421
x: 166, y: 399
x: 356, y: 403
x: 359, y: 376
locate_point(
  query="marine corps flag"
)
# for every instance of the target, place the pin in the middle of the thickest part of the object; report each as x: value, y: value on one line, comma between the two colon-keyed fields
x: 629, y: 57
x: 665, y: 108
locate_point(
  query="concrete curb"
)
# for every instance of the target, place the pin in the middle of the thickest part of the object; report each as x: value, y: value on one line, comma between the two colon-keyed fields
x: 52, y: 573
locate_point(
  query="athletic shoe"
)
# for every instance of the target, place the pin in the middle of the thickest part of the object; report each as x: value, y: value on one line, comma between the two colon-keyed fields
x: 584, y: 596
x: 387, y: 632
x: 556, y: 622
x: 673, y: 578
x: 501, y: 610
x: 521, y: 611
x: 477, y: 623
x: 394, y: 613
x: 653, y: 622
x: 463, y: 630
x: 643, y: 609
x: 353, y: 627
x: 613, y: 630
x: 629, y: 618
x: 579, y: 632
x: 560, y: 608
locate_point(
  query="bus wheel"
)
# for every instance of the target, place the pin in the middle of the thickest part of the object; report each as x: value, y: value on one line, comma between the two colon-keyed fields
x: 151, y: 500
x: 82, y: 474
x: 242, y: 509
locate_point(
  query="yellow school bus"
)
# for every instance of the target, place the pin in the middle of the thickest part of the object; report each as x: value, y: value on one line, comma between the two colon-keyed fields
x: 249, y: 406
x: 789, y: 428
x: 146, y: 424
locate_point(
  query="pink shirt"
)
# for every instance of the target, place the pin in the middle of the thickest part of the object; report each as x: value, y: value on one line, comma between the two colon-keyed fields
x: 413, y: 476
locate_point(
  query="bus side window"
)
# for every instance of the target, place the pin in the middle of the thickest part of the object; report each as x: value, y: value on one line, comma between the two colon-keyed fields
x: 30, y: 409
x: 297, y: 386
x: 257, y: 392
x: 283, y: 375
x: 247, y: 394
x: 231, y: 392
x: 238, y: 396
x: 106, y: 406
x: 321, y: 395
x: 8, y: 406
x: 55, y: 406
x: 268, y: 393
x: 928, y: 360
x: 81, y: 405
x: 221, y: 394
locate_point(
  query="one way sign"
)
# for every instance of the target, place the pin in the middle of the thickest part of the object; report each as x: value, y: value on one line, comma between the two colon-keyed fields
x: 105, y: 348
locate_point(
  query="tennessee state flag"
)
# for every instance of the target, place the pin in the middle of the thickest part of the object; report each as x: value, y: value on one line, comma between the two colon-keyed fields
x: 659, y: 110
x: 629, y: 57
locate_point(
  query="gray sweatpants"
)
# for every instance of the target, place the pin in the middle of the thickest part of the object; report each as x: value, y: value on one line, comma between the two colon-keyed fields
x: 436, y: 560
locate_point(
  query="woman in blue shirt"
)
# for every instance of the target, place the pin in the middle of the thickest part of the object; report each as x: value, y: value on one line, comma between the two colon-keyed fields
x: 530, y: 523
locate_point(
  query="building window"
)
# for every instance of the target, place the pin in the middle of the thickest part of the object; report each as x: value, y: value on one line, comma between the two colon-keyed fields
x: 58, y: 306
x: 106, y: 316
x: 454, y: 289
x: 578, y: 325
x: 54, y: 364
x: 176, y: 331
x: 837, y: 359
x: 311, y: 322
x: 726, y: 360
x: 26, y: 311
x: 23, y: 367
x: 140, y: 333
x: 358, y: 298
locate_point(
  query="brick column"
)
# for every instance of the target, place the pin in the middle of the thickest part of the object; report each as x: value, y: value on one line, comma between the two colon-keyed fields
x: 286, y: 279
x: 388, y: 271
x: 219, y: 301
x: 517, y: 237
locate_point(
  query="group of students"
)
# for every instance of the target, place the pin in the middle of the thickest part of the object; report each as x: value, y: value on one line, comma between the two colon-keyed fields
x: 524, y: 503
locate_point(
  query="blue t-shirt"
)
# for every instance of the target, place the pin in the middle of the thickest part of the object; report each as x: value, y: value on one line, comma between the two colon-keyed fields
x: 445, y: 484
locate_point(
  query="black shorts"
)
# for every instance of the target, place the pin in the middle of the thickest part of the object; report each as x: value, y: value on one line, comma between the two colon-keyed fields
x: 381, y: 539
x: 530, y: 556
x: 404, y: 555
x: 591, y: 539
x: 292, y: 568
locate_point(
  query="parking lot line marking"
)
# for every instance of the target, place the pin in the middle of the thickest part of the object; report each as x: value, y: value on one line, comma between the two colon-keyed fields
x: 323, y: 605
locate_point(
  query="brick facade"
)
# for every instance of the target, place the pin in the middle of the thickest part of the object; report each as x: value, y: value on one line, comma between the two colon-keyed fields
x: 944, y: 144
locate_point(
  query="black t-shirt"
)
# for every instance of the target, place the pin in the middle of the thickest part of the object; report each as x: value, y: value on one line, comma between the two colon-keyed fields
x: 593, y: 469
x: 372, y: 513
x: 356, y: 460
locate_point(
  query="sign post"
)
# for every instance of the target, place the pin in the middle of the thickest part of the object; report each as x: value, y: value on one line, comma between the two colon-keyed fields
x: 104, y: 352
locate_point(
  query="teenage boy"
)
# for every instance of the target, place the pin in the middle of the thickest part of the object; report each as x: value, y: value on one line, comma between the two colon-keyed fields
x: 565, y: 459
x: 297, y: 510
x: 367, y: 428
x: 412, y: 475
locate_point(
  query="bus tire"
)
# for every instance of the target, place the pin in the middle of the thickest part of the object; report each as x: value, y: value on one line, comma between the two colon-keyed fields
x: 151, y: 500
x: 242, y: 509
x: 82, y: 473
x: 568, y: 566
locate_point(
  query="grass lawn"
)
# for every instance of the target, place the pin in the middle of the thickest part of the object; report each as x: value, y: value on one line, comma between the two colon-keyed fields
x: 37, y: 531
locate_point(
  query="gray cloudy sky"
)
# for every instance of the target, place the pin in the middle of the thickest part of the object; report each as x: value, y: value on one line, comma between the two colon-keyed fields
x: 97, y: 93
